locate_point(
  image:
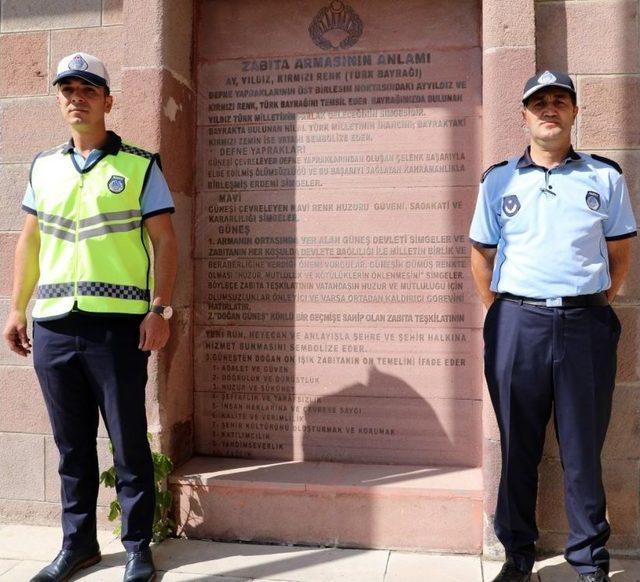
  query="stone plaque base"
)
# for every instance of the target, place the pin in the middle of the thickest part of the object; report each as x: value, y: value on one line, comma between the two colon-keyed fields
x: 404, y: 507
x: 337, y: 351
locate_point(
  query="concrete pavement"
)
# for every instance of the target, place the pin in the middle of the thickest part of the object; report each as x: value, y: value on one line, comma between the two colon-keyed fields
x: 26, y: 549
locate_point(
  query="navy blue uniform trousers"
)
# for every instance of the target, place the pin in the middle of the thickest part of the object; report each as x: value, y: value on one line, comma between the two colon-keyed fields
x: 89, y: 364
x: 538, y: 359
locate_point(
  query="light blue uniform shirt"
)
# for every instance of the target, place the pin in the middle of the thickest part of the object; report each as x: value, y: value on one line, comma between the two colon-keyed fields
x: 156, y: 196
x: 551, y: 227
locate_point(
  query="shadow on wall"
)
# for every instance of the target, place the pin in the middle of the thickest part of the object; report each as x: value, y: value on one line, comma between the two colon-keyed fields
x: 551, y: 42
x: 417, y: 438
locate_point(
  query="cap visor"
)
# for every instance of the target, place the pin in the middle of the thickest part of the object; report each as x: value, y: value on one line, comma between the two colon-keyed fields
x: 84, y: 75
x: 540, y: 87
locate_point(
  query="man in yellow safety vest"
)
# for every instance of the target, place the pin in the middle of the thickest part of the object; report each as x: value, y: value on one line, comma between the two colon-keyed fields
x: 98, y: 209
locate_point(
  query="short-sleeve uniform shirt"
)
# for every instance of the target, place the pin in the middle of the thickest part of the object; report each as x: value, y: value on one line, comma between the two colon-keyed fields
x: 551, y: 227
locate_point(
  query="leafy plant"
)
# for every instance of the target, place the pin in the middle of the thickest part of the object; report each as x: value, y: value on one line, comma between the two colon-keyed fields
x: 163, y: 525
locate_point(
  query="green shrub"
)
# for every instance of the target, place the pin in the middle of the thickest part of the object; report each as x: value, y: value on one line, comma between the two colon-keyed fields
x: 163, y: 525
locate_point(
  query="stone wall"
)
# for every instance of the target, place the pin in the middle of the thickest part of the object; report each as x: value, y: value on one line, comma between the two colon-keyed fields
x: 597, y: 43
x: 508, y: 49
x: 146, y: 46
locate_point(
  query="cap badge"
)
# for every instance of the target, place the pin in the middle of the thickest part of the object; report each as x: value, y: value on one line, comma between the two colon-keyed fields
x: 593, y: 200
x: 116, y: 184
x: 546, y: 78
x: 77, y: 63
x: 510, y: 205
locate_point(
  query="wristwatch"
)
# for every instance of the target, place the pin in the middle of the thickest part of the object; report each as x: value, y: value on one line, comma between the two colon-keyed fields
x: 164, y: 311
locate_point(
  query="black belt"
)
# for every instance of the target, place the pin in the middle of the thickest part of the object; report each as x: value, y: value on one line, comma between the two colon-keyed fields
x: 593, y: 300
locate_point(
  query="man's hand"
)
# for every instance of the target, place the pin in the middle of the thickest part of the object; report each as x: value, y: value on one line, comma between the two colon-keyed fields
x: 154, y: 332
x: 15, y: 334
x: 25, y: 277
x: 482, y: 270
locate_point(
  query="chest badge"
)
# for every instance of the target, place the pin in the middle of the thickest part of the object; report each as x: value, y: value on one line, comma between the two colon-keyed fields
x: 510, y: 205
x: 593, y: 200
x: 116, y: 184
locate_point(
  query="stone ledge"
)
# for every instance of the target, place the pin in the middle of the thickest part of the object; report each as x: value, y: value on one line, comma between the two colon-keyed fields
x: 336, y: 504
x: 216, y: 471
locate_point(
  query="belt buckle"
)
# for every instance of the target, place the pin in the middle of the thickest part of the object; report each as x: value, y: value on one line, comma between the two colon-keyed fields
x: 554, y: 302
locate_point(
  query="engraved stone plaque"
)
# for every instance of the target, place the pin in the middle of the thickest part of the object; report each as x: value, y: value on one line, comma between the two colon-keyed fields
x: 337, y: 167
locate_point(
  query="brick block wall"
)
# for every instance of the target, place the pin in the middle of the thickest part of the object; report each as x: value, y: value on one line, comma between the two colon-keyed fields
x: 147, y: 48
x: 597, y: 42
x: 157, y: 76
x: 508, y: 60
x: 33, y: 37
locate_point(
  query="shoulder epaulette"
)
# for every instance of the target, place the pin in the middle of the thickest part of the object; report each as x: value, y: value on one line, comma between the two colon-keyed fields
x: 486, y: 172
x: 129, y: 149
x: 607, y: 161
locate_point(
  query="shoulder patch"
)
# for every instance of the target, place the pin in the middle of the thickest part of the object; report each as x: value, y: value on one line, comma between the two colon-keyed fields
x: 129, y: 149
x: 488, y: 170
x: 607, y: 161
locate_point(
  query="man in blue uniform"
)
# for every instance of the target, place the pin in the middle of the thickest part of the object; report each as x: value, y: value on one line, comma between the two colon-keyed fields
x: 94, y: 205
x: 551, y: 240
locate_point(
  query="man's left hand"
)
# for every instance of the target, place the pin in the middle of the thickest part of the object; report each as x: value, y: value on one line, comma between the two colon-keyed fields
x: 154, y: 332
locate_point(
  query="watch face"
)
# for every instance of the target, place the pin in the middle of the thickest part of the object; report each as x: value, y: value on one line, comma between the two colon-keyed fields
x: 168, y: 312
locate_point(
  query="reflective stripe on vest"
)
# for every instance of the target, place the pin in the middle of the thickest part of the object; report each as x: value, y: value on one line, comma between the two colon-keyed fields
x: 93, y: 247
x: 93, y: 289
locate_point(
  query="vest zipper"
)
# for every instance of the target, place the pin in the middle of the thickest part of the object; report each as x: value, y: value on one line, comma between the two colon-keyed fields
x: 75, y: 274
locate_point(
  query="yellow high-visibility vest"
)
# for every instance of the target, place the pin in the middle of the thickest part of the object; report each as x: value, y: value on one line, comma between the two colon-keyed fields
x: 94, y: 250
